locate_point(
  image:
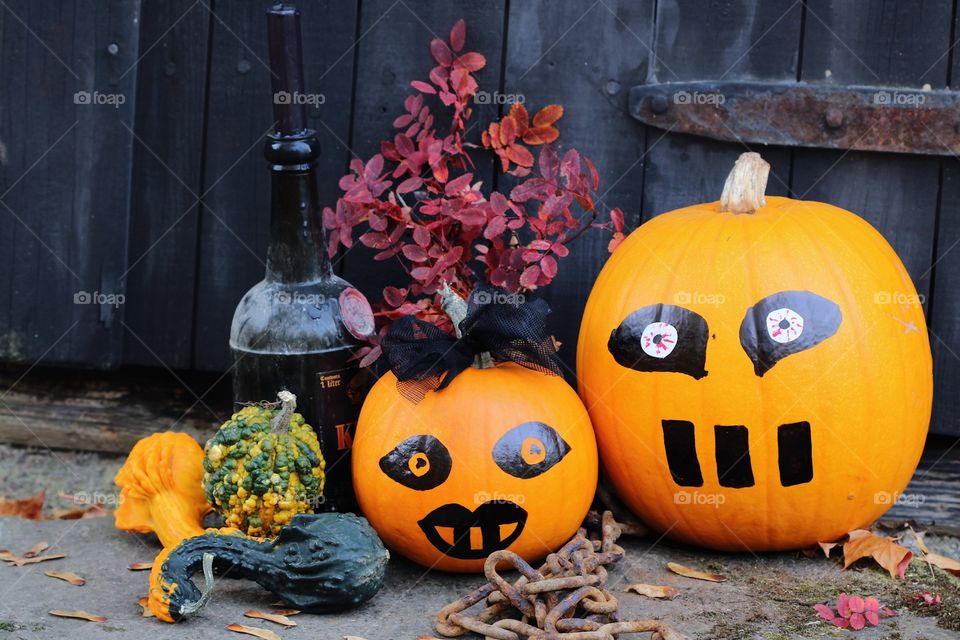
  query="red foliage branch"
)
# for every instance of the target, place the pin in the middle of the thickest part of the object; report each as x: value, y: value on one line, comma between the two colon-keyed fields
x: 417, y: 200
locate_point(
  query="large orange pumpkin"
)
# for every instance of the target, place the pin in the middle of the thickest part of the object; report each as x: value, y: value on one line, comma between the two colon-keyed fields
x: 757, y: 370
x: 502, y: 458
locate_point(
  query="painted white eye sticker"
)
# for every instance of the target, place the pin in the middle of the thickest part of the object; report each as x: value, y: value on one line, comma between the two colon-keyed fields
x: 658, y: 339
x: 784, y: 325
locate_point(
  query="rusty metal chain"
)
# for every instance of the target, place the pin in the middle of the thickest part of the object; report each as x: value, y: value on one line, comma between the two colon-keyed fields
x: 565, y: 599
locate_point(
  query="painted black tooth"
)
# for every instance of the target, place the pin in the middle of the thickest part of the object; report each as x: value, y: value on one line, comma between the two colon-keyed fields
x: 679, y: 440
x: 795, y: 453
x: 734, y: 469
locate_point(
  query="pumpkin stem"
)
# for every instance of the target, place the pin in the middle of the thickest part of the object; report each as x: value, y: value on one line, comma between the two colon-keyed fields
x: 281, y: 419
x: 192, y: 608
x: 456, y: 307
x: 743, y: 192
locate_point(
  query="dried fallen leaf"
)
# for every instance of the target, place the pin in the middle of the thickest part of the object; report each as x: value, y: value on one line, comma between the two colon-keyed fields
x: 687, y: 572
x: 19, y: 562
x: 36, y: 550
x: 78, y: 512
x: 144, y: 604
x: 30, y: 508
x: 67, y: 576
x: 285, y: 612
x: 278, y: 618
x: 827, y: 547
x: 140, y: 566
x: 265, y: 634
x: 653, y: 591
x: 6, y: 556
x: 888, y: 554
x: 944, y: 562
x: 80, y: 615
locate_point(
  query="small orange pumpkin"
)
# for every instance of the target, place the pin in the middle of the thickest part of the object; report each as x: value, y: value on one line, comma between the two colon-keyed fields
x: 757, y: 370
x: 502, y: 458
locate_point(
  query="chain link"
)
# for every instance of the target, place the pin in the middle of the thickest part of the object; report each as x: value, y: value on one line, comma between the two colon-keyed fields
x: 565, y: 599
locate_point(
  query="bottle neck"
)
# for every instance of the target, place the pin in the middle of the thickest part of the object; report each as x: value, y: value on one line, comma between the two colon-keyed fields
x: 297, y: 251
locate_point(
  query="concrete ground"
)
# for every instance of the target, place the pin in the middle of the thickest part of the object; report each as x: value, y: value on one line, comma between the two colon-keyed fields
x: 765, y: 598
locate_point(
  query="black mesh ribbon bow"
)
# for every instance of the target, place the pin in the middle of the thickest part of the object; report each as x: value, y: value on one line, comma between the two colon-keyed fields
x: 425, y: 358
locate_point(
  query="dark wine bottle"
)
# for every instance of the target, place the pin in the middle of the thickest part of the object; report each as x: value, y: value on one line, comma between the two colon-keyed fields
x: 299, y: 328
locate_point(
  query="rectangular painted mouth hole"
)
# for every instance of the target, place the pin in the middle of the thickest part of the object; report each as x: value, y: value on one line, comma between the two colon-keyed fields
x: 733, y: 456
x: 795, y: 453
x: 680, y: 443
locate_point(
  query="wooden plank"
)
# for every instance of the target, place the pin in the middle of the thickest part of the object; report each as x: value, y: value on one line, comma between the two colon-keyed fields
x: 883, y: 43
x: 234, y: 224
x: 393, y: 51
x: 727, y: 40
x: 167, y: 178
x: 74, y: 409
x: 944, y: 309
x: 931, y: 497
x: 585, y: 57
x: 65, y: 181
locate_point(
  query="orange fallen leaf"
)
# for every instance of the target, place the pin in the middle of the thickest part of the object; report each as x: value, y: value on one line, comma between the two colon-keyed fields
x: 285, y: 612
x: 140, y: 566
x: 888, y: 554
x: 653, y: 591
x: 278, y: 618
x: 6, y: 556
x: 78, y: 512
x: 36, y: 550
x: 946, y: 563
x: 19, y: 562
x: 30, y: 508
x: 265, y: 634
x: 145, y: 605
x: 79, y: 615
x: 67, y: 576
x: 827, y: 547
x: 687, y: 572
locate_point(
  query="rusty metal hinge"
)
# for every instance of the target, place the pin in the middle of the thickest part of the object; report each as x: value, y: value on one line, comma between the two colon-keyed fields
x: 893, y: 119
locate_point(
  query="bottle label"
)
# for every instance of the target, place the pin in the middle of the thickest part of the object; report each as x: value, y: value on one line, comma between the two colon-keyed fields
x: 339, y: 395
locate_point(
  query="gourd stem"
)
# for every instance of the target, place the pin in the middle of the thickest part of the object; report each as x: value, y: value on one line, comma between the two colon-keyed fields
x: 743, y: 192
x: 281, y: 420
x: 192, y: 608
x: 456, y: 307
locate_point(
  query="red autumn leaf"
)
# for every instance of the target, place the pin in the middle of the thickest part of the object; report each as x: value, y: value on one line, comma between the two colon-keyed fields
x: 540, y: 135
x: 458, y: 184
x: 549, y: 266
x: 548, y: 163
x: 519, y: 113
x: 530, y: 276
x: 423, y: 87
x: 441, y: 52
x: 401, y: 121
x: 519, y: 155
x: 30, y: 508
x: 421, y: 236
x: 508, y: 131
x: 458, y: 35
x: 616, y: 217
x: 594, y: 176
x: 471, y: 61
x: 548, y: 115
x: 410, y: 184
x: 414, y: 253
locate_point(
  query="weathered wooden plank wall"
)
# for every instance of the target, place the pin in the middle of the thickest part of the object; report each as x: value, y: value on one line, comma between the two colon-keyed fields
x: 165, y: 199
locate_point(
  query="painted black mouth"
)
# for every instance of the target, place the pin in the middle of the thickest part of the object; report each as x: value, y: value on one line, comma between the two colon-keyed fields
x: 471, y: 535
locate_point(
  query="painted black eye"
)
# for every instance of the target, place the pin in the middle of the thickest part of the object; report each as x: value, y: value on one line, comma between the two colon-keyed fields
x: 419, y: 462
x: 662, y: 337
x: 786, y: 323
x: 529, y: 449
